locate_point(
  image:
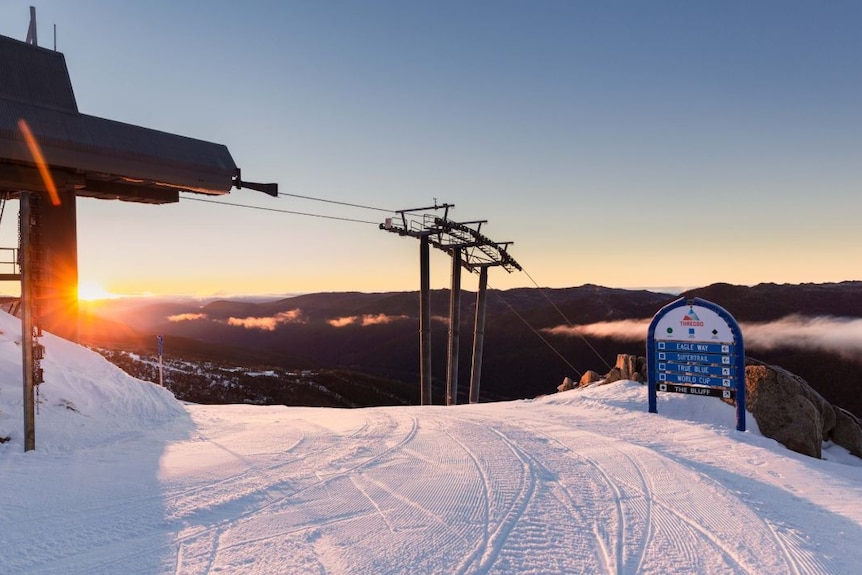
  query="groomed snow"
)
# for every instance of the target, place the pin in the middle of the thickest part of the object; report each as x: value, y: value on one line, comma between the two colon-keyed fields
x: 125, y: 479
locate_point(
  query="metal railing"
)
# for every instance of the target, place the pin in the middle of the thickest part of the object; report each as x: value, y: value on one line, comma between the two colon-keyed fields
x: 10, y: 268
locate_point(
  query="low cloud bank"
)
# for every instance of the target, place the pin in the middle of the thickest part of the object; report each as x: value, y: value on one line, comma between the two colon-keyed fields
x: 268, y: 323
x: 187, y: 317
x: 835, y: 334
x: 622, y: 330
x: 342, y: 321
x: 827, y: 333
x: 365, y: 320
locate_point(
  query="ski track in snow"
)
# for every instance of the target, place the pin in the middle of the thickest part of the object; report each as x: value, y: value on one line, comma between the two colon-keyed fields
x: 683, y: 534
x: 509, y: 495
x: 681, y: 514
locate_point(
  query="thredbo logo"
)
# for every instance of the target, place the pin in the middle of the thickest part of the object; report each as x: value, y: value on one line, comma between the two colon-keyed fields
x: 690, y: 319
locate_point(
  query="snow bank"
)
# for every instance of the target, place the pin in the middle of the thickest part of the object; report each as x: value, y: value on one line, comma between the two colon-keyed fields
x: 632, y: 396
x: 85, y: 401
x: 623, y: 399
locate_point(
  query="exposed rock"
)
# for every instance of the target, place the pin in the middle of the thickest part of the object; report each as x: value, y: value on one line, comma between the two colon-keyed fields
x: 793, y: 423
x: 627, y: 365
x: 589, y: 378
x: 615, y: 374
x: 630, y: 367
x: 847, y: 432
x: 787, y: 409
x: 566, y: 385
x: 791, y: 384
x: 642, y: 367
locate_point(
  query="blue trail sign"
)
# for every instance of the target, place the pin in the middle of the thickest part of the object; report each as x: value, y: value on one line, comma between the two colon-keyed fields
x: 695, y: 347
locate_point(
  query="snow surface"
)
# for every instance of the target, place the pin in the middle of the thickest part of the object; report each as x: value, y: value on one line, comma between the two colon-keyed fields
x: 125, y: 479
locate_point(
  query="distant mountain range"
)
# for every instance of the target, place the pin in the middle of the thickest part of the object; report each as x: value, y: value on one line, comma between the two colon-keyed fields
x: 378, y: 333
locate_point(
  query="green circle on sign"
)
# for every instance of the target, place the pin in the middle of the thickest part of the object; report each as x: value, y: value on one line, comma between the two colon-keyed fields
x: 670, y: 330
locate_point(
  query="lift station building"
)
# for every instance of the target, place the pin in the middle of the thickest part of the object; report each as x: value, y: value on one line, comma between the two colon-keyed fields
x: 86, y: 156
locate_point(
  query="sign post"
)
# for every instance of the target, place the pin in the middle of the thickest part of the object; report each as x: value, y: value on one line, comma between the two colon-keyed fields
x: 161, y: 342
x: 695, y: 347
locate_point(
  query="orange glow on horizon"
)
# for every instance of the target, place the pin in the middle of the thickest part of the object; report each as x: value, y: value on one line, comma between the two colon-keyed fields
x: 41, y: 164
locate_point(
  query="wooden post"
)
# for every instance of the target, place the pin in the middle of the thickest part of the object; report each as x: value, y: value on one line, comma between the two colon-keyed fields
x: 425, y: 319
x: 454, y: 330
x: 479, y: 335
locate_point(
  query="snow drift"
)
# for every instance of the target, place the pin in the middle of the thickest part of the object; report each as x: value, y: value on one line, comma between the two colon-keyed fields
x: 85, y: 401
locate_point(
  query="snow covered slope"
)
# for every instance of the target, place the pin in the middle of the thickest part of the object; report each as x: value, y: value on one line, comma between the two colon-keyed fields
x: 85, y: 402
x: 579, y: 482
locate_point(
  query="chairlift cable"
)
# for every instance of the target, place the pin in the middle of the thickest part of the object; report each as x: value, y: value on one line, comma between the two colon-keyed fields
x: 344, y: 219
x: 527, y: 323
x: 568, y: 322
x: 336, y: 202
x: 308, y: 214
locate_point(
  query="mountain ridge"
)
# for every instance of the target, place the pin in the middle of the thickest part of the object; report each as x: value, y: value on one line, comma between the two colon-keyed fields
x: 377, y: 333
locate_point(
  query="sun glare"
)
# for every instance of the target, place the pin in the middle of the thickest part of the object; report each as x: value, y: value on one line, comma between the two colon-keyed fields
x: 92, y: 291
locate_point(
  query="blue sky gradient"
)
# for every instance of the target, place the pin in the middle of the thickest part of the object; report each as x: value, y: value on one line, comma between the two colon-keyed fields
x: 618, y: 143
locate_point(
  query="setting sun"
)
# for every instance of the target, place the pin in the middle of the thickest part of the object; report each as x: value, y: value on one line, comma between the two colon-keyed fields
x: 91, y: 291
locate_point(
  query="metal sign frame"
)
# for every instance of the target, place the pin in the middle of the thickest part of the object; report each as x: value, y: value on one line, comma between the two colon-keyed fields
x: 706, y: 356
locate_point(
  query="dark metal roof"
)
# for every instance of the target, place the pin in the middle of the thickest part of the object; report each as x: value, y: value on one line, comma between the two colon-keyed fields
x: 95, y: 156
x: 35, y: 75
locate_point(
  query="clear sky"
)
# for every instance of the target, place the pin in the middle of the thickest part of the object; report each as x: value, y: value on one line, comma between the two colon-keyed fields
x: 662, y: 143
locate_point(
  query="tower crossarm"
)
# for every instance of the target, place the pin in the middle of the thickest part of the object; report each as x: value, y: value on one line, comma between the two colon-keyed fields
x: 477, y: 250
x: 482, y: 249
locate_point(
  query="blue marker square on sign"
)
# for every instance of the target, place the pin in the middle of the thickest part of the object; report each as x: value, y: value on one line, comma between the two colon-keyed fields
x: 691, y: 331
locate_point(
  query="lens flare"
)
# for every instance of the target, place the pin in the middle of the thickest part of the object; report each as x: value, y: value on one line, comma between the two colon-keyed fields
x: 39, y: 159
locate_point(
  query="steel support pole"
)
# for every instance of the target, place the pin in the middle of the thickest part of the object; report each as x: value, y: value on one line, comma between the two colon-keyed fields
x: 59, y: 287
x: 425, y: 319
x: 454, y: 329
x: 25, y: 253
x: 479, y: 335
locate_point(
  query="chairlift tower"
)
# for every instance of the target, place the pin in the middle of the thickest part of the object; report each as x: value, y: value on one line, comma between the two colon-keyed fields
x: 469, y: 249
